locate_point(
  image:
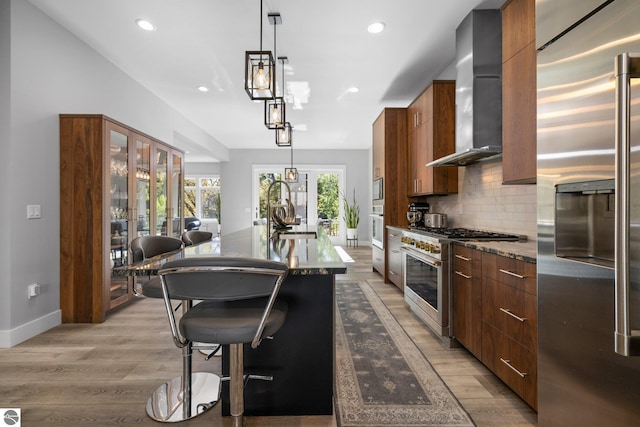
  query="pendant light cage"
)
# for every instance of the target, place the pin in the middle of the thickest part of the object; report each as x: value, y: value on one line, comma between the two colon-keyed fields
x: 284, y: 135
x: 275, y: 111
x: 260, y: 75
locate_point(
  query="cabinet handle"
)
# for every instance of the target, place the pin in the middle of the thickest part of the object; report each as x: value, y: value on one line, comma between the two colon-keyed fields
x: 464, y: 258
x: 507, y: 311
x: 506, y: 362
x: 392, y: 235
x: 395, y: 251
x: 393, y: 272
x: 511, y: 273
x: 463, y: 275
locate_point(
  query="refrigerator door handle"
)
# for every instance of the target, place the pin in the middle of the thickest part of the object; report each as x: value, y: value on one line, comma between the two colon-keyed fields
x: 627, y: 340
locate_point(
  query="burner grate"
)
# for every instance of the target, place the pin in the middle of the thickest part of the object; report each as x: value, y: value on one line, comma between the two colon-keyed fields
x: 470, y: 234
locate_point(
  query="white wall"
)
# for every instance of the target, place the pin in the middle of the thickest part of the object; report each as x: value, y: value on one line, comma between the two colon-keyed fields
x: 52, y: 72
x: 237, y: 180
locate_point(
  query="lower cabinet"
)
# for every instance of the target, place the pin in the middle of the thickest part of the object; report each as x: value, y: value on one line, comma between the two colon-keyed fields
x: 495, y: 316
x: 377, y: 256
x: 394, y: 258
x: 467, y: 298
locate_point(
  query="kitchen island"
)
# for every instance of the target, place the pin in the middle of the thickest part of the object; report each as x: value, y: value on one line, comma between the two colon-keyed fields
x: 300, y: 356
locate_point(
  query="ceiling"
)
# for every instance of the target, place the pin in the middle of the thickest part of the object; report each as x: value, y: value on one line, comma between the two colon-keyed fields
x: 202, y: 43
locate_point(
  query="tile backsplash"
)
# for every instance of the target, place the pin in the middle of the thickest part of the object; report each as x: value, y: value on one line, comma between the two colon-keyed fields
x: 484, y: 203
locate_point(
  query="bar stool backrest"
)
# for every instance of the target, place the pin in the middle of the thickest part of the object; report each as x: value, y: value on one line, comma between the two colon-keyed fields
x: 194, y: 237
x: 144, y: 247
x: 222, y: 279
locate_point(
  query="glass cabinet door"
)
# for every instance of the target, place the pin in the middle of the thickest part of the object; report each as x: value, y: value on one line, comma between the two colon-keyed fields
x: 176, y: 209
x: 142, y: 209
x: 118, y: 287
x: 161, y: 170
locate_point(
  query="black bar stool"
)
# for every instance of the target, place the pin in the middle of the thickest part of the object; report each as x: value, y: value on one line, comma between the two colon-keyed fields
x: 238, y: 306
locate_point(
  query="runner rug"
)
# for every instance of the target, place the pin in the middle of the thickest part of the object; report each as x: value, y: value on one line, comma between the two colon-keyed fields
x: 382, y: 378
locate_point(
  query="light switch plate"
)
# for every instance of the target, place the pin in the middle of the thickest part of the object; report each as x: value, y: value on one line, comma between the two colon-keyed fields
x: 33, y: 211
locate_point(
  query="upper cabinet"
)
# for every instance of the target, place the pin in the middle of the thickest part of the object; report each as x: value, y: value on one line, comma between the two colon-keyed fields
x: 115, y: 184
x: 431, y: 135
x: 519, y: 92
x: 390, y: 160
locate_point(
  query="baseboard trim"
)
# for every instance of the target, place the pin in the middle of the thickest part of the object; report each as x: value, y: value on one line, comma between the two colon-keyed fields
x: 13, y: 337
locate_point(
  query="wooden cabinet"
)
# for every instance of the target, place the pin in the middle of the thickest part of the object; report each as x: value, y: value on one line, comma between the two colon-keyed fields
x: 431, y: 135
x: 467, y: 298
x: 390, y: 159
x: 394, y: 257
x: 519, y: 92
x: 509, y: 323
x: 115, y: 184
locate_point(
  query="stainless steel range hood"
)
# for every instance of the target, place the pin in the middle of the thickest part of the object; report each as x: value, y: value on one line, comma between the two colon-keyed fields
x: 478, y: 89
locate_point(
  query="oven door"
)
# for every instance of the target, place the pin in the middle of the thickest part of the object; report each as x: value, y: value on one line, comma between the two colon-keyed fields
x: 426, y: 289
x: 377, y: 230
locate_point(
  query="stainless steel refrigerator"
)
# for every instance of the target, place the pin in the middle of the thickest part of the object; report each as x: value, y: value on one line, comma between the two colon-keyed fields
x: 588, y: 89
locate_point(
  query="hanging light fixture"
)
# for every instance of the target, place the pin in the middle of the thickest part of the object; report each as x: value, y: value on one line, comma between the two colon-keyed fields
x: 284, y: 135
x: 275, y: 109
x: 260, y: 71
x: 291, y: 174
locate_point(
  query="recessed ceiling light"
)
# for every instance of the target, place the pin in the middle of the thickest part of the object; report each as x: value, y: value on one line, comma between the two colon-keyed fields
x: 376, y: 27
x: 353, y: 89
x: 203, y: 89
x: 145, y: 25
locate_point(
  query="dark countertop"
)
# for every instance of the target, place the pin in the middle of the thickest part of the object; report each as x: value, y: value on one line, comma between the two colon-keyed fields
x: 525, y: 251
x: 304, y: 256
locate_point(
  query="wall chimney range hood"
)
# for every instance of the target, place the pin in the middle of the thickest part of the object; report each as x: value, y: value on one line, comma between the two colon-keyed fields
x: 478, y: 89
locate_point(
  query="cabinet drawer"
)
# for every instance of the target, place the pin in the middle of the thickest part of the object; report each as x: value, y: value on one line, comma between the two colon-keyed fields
x: 512, y: 311
x: 511, y: 362
x: 510, y: 272
x: 463, y: 259
x: 394, y: 267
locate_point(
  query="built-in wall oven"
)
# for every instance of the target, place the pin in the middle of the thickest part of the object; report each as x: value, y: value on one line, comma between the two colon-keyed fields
x: 377, y: 226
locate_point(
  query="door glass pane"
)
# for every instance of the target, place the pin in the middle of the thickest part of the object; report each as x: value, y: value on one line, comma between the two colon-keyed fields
x: 265, y: 180
x: 161, y: 192
x: 329, y: 202
x: 118, y: 190
x: 143, y: 187
x: 176, y: 195
x: 299, y: 197
x: 210, y: 198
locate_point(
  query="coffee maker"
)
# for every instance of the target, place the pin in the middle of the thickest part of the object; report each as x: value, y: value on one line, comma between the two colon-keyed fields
x: 416, y: 213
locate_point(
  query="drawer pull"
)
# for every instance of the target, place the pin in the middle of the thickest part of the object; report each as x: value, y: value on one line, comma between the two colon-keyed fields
x: 464, y: 258
x: 463, y: 275
x: 511, y: 273
x: 507, y: 311
x: 506, y: 362
x: 393, y: 272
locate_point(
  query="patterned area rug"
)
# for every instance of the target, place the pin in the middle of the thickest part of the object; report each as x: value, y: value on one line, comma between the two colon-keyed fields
x: 382, y: 378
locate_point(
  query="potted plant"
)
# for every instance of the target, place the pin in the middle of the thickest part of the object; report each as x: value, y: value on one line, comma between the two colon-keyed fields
x: 351, y: 216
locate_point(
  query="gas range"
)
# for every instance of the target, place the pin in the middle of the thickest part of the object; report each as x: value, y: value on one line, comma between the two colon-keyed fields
x: 468, y: 234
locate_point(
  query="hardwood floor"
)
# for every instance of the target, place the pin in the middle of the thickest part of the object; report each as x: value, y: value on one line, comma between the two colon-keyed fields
x: 101, y: 374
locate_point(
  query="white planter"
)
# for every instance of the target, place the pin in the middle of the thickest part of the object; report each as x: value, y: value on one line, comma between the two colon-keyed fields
x: 352, y: 233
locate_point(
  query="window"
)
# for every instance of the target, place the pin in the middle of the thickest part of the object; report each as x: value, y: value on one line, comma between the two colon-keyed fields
x: 202, y: 197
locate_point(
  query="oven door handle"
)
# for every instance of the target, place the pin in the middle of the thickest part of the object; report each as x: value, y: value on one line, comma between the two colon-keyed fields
x: 426, y: 259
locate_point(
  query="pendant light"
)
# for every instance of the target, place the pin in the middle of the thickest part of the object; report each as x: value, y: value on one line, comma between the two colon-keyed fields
x: 259, y: 73
x: 291, y: 174
x: 275, y: 109
x: 284, y: 135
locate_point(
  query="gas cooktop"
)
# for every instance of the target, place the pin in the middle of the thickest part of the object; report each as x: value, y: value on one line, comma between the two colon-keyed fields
x: 469, y: 234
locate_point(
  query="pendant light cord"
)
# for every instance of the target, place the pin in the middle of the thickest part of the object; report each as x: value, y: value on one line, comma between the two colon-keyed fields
x: 260, y: 25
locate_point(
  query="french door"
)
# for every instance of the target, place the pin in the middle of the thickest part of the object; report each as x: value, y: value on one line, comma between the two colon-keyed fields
x: 316, y: 196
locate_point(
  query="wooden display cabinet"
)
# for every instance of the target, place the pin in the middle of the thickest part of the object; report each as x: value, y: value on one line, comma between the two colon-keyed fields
x: 115, y: 184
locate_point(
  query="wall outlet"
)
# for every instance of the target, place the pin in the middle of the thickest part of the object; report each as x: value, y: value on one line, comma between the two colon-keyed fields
x: 33, y: 290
